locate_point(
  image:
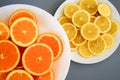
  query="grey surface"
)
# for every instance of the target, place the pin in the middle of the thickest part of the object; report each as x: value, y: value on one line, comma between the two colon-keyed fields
x: 106, y: 70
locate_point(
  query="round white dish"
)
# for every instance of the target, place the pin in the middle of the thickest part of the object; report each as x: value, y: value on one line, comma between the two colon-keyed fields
x: 75, y: 56
x: 46, y: 23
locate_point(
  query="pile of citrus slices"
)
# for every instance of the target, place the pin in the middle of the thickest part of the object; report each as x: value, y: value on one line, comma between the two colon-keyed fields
x: 24, y: 53
x: 89, y: 26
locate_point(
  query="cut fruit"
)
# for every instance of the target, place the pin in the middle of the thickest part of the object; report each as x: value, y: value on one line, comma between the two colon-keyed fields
x: 103, y: 23
x: 21, y: 13
x: 84, y: 52
x: 78, y: 39
x: 92, y: 19
x: 104, y: 9
x: 4, y: 31
x: 97, y: 46
x: 19, y: 75
x: 70, y: 30
x: 89, y: 5
x: 62, y: 20
x: 38, y: 63
x: 90, y: 31
x: 24, y: 32
x: 109, y: 40
x: 72, y: 46
x: 9, y: 56
x: 3, y: 76
x: 80, y: 18
x: 114, y: 27
x: 70, y: 9
x: 53, y: 41
x: 47, y: 76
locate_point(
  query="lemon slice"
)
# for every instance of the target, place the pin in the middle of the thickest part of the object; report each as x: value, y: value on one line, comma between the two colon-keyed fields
x: 84, y: 52
x: 78, y: 39
x: 73, y: 47
x: 90, y: 31
x: 89, y: 5
x: 104, y: 9
x: 64, y: 19
x: 97, y: 46
x: 70, y: 9
x: 70, y: 30
x: 103, y: 23
x: 92, y: 19
x: 109, y: 40
x: 80, y: 18
x: 114, y: 27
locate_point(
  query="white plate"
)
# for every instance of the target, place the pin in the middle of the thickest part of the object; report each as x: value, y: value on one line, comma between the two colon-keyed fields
x: 75, y: 56
x: 46, y: 23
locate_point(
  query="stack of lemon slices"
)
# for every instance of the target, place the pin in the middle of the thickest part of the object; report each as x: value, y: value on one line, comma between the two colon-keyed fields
x: 89, y: 26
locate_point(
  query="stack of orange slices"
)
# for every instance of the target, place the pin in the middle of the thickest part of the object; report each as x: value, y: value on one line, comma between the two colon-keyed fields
x: 24, y: 53
x: 89, y: 26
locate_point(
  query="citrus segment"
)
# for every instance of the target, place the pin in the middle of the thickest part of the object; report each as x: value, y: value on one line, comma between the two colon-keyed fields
x: 70, y: 30
x: 72, y: 46
x: 83, y: 51
x: 53, y: 41
x: 40, y: 62
x: 104, y: 9
x: 114, y: 27
x: 19, y: 75
x: 78, y: 39
x: 64, y: 19
x: 80, y: 18
x: 9, y: 56
x: 103, y: 23
x: 21, y: 13
x: 24, y: 32
x: 109, y: 40
x: 97, y: 46
x: 70, y: 9
x: 4, y: 31
x: 47, y: 76
x: 89, y: 5
x: 90, y: 31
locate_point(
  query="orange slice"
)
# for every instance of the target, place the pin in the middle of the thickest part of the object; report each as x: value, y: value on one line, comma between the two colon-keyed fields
x: 9, y: 56
x: 53, y: 41
x: 21, y: 13
x: 78, y: 39
x: 3, y: 76
x: 38, y: 63
x: 80, y: 18
x: 70, y: 30
x: 90, y: 31
x: 109, y: 40
x: 4, y: 31
x: 89, y: 5
x: 70, y: 9
x: 84, y: 51
x: 114, y: 27
x: 103, y: 23
x: 97, y: 46
x: 62, y: 20
x: 47, y: 76
x: 73, y: 47
x: 104, y: 9
x: 19, y: 75
x: 24, y: 32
